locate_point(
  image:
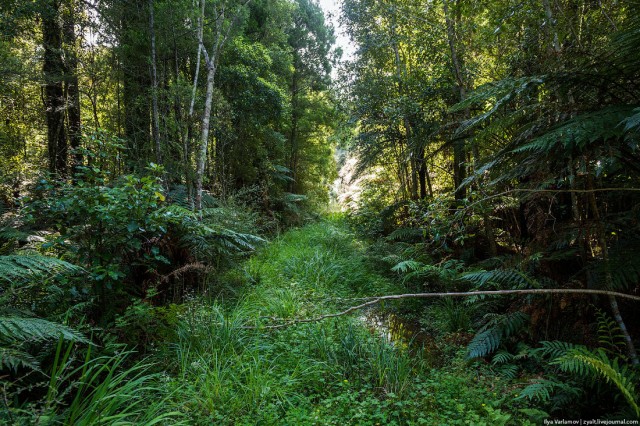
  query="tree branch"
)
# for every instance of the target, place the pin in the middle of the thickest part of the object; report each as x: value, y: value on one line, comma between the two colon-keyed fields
x: 376, y: 300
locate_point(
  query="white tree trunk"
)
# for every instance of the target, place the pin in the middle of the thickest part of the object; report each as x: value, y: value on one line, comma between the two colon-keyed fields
x: 204, y: 142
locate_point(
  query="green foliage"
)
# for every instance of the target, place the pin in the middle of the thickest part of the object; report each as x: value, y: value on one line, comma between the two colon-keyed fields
x: 596, y: 363
x: 329, y: 372
x: 25, y: 267
x: 610, y: 337
x: 498, y: 327
x: 17, y: 330
x: 576, y: 134
x: 101, y: 390
x: 543, y: 390
x: 501, y: 279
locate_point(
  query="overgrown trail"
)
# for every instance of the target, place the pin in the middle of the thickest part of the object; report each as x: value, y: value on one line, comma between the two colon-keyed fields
x: 330, y: 372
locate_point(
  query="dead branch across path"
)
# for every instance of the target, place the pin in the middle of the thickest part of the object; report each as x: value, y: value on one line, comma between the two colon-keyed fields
x: 377, y: 299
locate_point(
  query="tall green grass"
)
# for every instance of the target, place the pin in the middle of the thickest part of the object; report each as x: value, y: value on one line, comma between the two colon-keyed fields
x: 229, y: 370
x: 100, y: 390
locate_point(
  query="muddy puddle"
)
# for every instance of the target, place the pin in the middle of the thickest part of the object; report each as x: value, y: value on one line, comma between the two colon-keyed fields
x: 404, y: 334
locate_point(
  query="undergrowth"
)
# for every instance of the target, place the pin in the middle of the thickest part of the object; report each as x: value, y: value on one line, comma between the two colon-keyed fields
x: 227, y: 368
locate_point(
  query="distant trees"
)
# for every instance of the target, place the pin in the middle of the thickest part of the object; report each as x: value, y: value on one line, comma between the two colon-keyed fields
x: 156, y: 73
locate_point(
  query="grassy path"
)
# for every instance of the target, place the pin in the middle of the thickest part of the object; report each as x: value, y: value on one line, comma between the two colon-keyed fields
x: 334, y: 372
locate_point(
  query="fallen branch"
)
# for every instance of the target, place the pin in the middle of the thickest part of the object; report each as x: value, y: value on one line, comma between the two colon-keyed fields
x: 378, y: 299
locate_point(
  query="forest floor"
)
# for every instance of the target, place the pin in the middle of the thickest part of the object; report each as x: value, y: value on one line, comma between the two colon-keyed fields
x: 339, y: 371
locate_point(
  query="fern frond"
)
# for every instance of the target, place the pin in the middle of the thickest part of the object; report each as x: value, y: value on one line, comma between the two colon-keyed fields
x: 509, y: 371
x: 581, y: 131
x: 499, y: 94
x: 498, y: 328
x: 556, y: 348
x: 502, y: 357
x: 407, y: 266
x: 585, y: 363
x: 502, y: 278
x: 632, y: 123
x: 538, y: 391
x: 404, y: 234
x: 542, y: 391
x: 26, y: 267
x: 20, y: 329
x: 610, y: 337
x: 13, y: 358
x: 484, y: 343
x: 621, y: 271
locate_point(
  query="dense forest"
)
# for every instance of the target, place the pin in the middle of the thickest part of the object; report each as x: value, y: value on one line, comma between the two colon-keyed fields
x: 258, y: 212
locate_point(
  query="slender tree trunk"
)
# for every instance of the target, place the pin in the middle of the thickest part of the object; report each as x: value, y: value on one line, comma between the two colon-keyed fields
x: 204, y: 142
x: 459, y: 152
x: 613, y: 303
x: 221, y: 35
x: 412, y: 170
x: 154, y: 89
x: 551, y: 23
x: 73, y: 93
x: 54, y: 102
x: 136, y: 82
x: 293, y: 135
x: 186, y: 143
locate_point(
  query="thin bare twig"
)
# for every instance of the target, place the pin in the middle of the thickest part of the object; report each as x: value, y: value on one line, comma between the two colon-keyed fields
x: 378, y: 299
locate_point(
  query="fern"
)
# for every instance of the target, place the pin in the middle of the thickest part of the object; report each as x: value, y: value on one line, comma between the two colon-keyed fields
x: 610, y: 337
x: 407, y: 266
x: 543, y: 390
x: 585, y: 363
x: 18, y: 329
x: 499, y: 94
x: 581, y: 131
x: 13, y: 358
x: 446, y: 271
x: 556, y: 348
x: 502, y: 278
x: 25, y: 267
x: 493, y: 333
x: 621, y: 271
x: 502, y: 357
x: 406, y: 234
x: 632, y: 123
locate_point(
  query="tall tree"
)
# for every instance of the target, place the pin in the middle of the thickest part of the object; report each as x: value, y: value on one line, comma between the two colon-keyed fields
x: 54, y: 100
x: 311, y: 41
x: 226, y: 15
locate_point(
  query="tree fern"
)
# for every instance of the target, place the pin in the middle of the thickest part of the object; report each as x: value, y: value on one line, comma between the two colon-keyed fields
x: 498, y: 94
x: 577, y: 133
